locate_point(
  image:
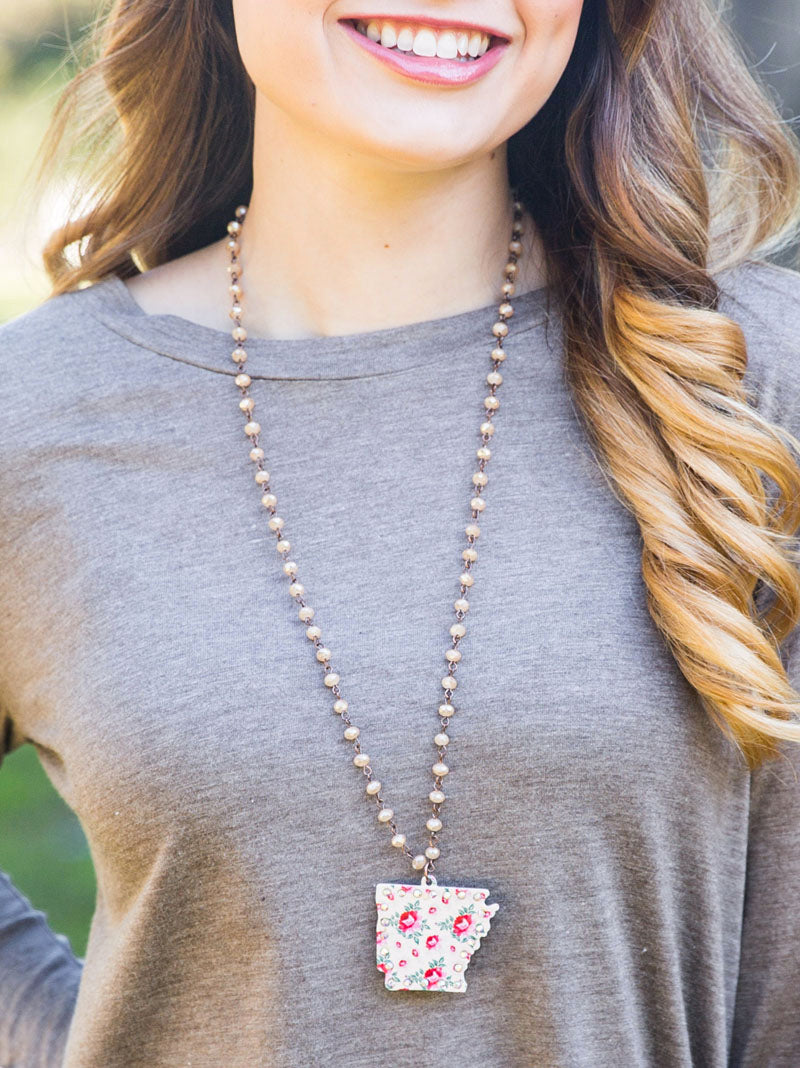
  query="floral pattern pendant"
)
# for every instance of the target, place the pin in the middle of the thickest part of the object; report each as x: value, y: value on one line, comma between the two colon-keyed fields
x: 426, y: 935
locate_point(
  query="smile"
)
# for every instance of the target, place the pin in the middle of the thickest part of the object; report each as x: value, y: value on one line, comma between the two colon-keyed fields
x: 431, y: 50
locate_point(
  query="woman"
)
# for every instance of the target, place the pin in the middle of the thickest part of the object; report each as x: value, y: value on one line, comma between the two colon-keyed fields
x: 427, y: 222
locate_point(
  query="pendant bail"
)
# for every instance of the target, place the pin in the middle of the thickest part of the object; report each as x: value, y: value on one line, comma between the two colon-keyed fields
x: 428, y: 880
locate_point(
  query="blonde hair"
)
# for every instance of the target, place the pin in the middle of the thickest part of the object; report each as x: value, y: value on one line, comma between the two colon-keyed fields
x: 659, y: 160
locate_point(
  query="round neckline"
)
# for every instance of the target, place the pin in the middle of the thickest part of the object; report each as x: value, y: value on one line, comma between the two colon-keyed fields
x: 387, y: 350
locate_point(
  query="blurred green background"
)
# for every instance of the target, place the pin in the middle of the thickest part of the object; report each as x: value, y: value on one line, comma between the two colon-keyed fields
x: 42, y: 846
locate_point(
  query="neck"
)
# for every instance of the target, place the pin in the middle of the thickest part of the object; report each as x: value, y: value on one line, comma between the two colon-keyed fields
x: 337, y: 243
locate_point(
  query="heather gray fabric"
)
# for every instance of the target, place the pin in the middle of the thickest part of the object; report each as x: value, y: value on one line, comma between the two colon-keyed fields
x: 150, y: 651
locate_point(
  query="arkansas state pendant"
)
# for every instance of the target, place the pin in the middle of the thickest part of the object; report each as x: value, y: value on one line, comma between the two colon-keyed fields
x: 427, y: 934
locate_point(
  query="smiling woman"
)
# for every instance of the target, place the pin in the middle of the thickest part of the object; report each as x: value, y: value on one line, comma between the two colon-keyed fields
x: 471, y: 297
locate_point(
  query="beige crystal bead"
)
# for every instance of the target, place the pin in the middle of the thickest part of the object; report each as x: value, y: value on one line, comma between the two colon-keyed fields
x: 351, y: 733
x: 506, y: 309
x: 290, y: 568
x: 458, y: 630
x: 313, y: 632
x: 466, y: 579
x: 373, y: 787
x: 340, y: 706
x: 446, y: 710
x: 243, y: 380
x: 487, y: 428
x: 252, y: 428
x: 491, y: 403
x: 449, y: 683
x: 361, y: 760
x: 275, y: 523
x: 461, y: 605
x: 297, y: 589
x: 238, y: 355
x: 239, y: 333
x: 494, y: 378
x: 499, y: 354
x: 470, y: 554
x: 480, y: 478
x: 256, y: 453
x: 398, y: 840
x: 385, y: 814
x: 434, y: 824
x: 331, y: 678
x: 261, y: 477
x: 472, y: 530
x: 436, y: 797
x: 478, y: 504
x: 500, y: 329
x: 418, y: 862
x: 439, y: 769
x: 269, y: 500
x: 484, y: 453
x: 323, y: 654
x: 432, y: 852
x: 283, y: 546
x: 441, y: 739
x: 306, y: 613
x: 453, y: 655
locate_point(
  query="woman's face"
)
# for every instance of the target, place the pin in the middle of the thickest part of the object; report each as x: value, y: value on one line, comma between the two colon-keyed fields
x: 409, y: 110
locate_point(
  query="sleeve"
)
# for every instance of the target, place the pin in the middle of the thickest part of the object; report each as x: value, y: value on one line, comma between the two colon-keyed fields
x: 39, y: 974
x: 766, y: 1023
x: 766, y: 1026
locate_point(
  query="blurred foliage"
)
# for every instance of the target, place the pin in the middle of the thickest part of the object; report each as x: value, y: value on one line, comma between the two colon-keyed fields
x: 42, y: 845
x: 43, y: 848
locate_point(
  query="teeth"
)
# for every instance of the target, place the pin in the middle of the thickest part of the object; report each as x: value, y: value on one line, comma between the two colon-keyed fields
x: 424, y: 41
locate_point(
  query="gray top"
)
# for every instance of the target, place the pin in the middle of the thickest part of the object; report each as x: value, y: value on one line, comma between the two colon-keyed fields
x: 151, y: 652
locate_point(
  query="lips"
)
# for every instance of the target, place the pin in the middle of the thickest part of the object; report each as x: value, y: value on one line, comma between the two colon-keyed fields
x: 429, y: 50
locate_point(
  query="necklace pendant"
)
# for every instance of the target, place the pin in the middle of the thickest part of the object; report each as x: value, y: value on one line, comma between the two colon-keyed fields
x: 427, y: 934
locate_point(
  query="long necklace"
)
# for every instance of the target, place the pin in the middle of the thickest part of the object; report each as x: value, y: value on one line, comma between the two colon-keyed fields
x: 425, y: 934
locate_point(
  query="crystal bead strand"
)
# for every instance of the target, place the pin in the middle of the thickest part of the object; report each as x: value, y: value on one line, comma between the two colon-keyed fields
x: 331, y: 677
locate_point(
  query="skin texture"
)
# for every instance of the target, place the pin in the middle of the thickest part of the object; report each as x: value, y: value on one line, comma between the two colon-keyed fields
x: 377, y: 200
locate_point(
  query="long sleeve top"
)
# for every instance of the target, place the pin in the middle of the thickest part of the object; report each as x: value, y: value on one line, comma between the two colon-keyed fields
x: 149, y: 649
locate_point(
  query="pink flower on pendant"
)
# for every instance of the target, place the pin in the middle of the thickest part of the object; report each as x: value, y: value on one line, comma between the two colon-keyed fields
x: 409, y: 921
x: 415, y: 952
x: 431, y: 941
x: 433, y: 975
x: 384, y: 967
x: 402, y: 963
x: 463, y: 924
x: 379, y: 937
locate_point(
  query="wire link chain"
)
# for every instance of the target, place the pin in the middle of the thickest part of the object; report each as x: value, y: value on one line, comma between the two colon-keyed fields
x: 252, y: 429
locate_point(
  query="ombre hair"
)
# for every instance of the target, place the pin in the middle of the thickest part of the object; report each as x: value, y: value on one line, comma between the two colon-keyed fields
x: 659, y: 160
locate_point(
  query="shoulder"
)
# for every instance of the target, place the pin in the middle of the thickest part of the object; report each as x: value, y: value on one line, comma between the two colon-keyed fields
x: 764, y: 299
x: 763, y: 296
x: 49, y: 333
x: 52, y: 354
